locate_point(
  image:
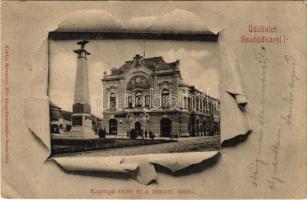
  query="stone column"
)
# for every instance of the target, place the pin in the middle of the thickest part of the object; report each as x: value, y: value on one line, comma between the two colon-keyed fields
x: 81, y: 117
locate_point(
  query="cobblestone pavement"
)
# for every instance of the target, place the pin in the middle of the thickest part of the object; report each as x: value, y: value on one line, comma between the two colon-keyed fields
x: 205, y: 143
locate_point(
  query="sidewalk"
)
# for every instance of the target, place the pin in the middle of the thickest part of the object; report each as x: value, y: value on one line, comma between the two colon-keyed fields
x: 66, y: 136
x: 165, y: 138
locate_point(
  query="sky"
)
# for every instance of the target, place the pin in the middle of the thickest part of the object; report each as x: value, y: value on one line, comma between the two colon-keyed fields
x: 199, y: 65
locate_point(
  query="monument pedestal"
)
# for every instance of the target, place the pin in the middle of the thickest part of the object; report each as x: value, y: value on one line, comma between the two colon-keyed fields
x: 82, y: 127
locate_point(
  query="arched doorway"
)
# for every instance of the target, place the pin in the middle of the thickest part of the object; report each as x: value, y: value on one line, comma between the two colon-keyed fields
x: 166, y: 127
x: 112, y: 127
x: 138, y: 128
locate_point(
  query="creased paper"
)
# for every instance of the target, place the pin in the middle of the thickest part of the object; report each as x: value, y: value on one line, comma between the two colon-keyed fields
x: 139, y: 167
x: 8, y: 191
x: 170, y: 161
x: 37, y: 118
x: 234, y: 115
x: 142, y: 167
x: 89, y: 20
x: 94, y: 164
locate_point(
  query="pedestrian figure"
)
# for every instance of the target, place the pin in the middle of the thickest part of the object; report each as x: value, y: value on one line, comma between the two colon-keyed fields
x: 146, y: 134
x: 151, y: 135
x: 98, y: 131
x: 133, y: 134
x: 104, y: 133
x: 101, y: 132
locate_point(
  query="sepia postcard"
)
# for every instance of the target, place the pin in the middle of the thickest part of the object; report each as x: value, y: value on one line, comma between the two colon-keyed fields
x: 153, y: 100
x: 150, y: 98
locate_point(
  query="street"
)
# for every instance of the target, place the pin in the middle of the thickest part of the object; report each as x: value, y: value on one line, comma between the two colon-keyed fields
x: 204, y: 143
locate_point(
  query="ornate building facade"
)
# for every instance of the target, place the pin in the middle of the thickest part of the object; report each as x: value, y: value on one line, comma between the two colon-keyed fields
x: 149, y: 95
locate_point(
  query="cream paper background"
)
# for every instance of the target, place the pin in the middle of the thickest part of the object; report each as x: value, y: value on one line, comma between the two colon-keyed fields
x: 24, y: 29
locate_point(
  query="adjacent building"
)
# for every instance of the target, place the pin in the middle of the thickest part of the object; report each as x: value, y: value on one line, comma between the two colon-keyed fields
x: 55, y: 118
x: 149, y: 95
x: 61, y: 120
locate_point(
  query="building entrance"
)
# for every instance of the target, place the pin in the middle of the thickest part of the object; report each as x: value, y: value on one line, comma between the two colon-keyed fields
x: 166, y: 127
x: 138, y: 128
x: 112, y: 127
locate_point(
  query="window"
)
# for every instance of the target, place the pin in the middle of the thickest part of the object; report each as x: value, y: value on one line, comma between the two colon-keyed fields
x: 129, y: 101
x: 165, y: 97
x: 113, y: 100
x: 207, y: 106
x: 147, y: 101
x: 204, y: 105
x: 193, y: 103
x: 139, y: 99
x: 210, y: 107
x: 197, y: 103
x: 185, y: 103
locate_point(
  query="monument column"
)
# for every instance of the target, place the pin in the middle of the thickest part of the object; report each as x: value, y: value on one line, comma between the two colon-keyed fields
x: 81, y: 117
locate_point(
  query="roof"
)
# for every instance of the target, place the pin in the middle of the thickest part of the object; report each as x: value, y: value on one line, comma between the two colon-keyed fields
x: 53, y: 105
x: 96, y: 117
x: 154, y: 63
x: 184, y: 84
x: 66, y: 115
x: 54, y: 114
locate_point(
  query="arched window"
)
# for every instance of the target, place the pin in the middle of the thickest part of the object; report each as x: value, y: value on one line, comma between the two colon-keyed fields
x: 129, y: 101
x: 139, y: 99
x: 164, y: 98
x: 113, y: 100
